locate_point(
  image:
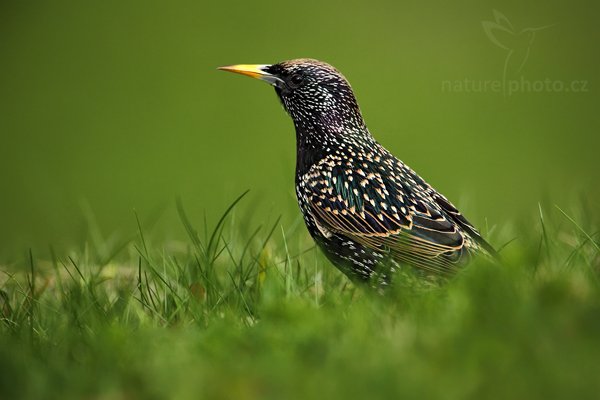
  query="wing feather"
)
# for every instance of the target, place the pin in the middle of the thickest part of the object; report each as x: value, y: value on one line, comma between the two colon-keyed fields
x: 412, y: 225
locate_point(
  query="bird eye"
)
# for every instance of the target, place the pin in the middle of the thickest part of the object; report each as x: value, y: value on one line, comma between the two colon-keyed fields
x: 296, y: 80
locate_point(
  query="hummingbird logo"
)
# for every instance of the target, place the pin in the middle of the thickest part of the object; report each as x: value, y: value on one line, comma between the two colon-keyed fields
x: 517, y: 44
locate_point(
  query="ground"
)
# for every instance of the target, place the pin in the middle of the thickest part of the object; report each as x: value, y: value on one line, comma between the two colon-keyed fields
x: 265, y: 316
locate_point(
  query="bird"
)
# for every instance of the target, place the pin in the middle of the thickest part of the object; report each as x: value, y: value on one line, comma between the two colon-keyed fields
x: 370, y: 213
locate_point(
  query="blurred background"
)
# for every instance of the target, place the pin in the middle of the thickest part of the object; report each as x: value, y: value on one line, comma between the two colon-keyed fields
x: 107, y: 107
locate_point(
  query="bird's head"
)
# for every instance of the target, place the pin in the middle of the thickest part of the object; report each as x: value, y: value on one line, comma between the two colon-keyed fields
x: 315, y: 94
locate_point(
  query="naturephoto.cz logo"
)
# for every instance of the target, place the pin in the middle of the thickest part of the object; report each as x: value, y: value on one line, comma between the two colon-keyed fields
x: 517, y: 45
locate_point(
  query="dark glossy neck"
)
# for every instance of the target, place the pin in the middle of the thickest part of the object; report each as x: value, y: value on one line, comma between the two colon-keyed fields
x: 315, y: 141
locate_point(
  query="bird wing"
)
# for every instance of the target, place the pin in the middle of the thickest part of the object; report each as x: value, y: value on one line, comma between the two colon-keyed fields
x: 385, y: 206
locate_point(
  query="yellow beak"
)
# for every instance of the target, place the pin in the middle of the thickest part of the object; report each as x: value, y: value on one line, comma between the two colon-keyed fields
x: 257, y: 71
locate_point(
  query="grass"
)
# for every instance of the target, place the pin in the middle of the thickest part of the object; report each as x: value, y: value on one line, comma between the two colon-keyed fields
x: 259, y: 314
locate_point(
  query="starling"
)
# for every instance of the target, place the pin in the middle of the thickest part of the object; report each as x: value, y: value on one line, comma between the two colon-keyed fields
x: 367, y: 210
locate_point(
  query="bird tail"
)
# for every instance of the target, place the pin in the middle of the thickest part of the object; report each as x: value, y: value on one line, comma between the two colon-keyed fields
x: 488, y: 248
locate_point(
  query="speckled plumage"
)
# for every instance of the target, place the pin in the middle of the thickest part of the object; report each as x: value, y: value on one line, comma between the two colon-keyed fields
x: 365, y: 208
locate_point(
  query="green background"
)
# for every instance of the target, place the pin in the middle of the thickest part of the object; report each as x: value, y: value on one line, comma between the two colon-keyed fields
x: 111, y: 106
